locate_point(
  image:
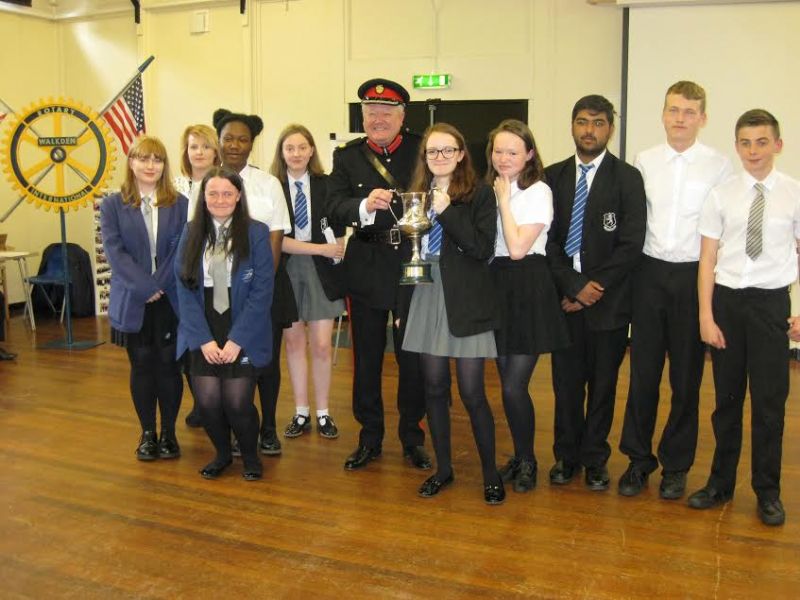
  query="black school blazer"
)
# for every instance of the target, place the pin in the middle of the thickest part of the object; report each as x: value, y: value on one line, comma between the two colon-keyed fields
x: 469, y: 231
x: 330, y: 275
x: 613, y: 235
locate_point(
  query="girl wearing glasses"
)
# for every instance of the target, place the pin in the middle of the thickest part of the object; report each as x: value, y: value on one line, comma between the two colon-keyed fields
x: 454, y: 317
x: 533, y: 322
x: 225, y: 279
x: 141, y: 226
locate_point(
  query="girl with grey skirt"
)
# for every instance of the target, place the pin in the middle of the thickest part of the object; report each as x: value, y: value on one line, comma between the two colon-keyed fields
x: 455, y: 316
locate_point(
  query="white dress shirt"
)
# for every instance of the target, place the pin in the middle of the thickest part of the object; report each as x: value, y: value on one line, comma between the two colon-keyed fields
x: 301, y: 235
x: 530, y: 206
x: 676, y: 185
x: 191, y: 189
x: 724, y: 218
x: 265, y: 199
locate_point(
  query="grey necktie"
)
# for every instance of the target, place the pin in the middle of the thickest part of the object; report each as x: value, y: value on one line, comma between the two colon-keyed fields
x: 755, y: 221
x: 219, y: 271
x: 147, y: 213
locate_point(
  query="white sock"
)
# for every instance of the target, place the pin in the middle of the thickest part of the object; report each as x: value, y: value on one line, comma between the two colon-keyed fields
x: 322, y: 413
x: 303, y: 411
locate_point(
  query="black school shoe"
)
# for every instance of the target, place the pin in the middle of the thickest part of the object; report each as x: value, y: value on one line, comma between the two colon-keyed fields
x: 299, y: 425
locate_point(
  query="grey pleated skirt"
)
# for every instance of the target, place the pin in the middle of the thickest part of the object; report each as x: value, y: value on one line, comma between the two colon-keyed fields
x: 312, y: 303
x: 428, y: 331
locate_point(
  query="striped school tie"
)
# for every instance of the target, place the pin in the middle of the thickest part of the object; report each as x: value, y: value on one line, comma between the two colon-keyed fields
x: 435, y: 235
x: 575, y: 232
x: 300, y: 207
x: 755, y: 222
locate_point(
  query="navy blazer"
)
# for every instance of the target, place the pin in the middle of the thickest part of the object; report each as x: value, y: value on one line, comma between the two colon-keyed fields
x: 127, y: 248
x: 331, y: 276
x: 251, y: 298
x: 613, y: 235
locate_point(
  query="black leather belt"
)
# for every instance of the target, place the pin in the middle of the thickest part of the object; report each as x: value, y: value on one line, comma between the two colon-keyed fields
x: 391, y: 236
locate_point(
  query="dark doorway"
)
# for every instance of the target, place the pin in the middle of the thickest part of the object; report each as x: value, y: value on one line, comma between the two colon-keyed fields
x: 473, y: 118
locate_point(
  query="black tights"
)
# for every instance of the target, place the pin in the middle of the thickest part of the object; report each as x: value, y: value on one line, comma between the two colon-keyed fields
x: 515, y: 375
x: 155, y: 380
x: 469, y: 375
x: 269, y: 384
x: 227, y: 404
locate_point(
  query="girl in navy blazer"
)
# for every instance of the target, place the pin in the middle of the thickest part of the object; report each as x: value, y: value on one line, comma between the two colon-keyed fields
x: 316, y: 281
x: 456, y: 315
x: 141, y: 226
x: 225, y: 283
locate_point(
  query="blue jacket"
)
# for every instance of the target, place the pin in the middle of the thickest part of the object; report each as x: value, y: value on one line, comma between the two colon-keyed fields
x: 128, y: 251
x: 251, y: 299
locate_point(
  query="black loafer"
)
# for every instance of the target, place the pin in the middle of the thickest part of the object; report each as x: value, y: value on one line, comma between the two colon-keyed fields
x: 148, y: 446
x: 708, y: 497
x: 168, y: 446
x: 494, y: 493
x: 632, y: 481
x: 6, y: 355
x: 433, y: 485
x: 597, y: 478
x: 417, y: 456
x: 673, y: 485
x: 215, y: 468
x: 299, y: 425
x: 526, y: 476
x: 508, y: 472
x: 563, y: 472
x: 771, y: 512
x: 361, y: 457
x: 269, y: 444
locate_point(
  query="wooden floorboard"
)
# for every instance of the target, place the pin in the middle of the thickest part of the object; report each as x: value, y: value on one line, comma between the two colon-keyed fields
x: 83, y: 519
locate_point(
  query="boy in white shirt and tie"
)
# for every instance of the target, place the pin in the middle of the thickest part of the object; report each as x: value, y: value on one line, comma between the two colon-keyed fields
x: 750, y: 229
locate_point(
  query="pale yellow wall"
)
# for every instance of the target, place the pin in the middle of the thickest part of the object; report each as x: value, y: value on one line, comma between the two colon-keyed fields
x: 193, y: 74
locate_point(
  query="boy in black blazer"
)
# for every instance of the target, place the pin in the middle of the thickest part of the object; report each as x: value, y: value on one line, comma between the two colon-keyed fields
x: 594, y: 242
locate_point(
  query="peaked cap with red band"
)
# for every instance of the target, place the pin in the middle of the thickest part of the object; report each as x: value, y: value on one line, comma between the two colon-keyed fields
x: 382, y: 91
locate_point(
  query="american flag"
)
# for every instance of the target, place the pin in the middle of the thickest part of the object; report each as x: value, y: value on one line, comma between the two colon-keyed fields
x: 126, y: 115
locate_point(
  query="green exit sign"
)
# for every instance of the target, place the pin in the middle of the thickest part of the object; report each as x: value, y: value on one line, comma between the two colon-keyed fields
x: 432, y: 81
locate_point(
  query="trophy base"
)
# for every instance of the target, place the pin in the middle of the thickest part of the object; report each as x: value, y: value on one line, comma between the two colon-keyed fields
x: 416, y: 273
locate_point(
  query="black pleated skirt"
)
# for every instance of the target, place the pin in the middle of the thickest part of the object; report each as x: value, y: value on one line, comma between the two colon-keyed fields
x: 533, y: 322
x: 220, y: 326
x: 159, y: 327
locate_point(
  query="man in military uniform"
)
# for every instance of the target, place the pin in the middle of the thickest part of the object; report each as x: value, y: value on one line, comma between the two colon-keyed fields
x: 365, y: 174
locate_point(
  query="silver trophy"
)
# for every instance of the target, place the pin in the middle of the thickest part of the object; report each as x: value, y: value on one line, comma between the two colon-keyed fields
x: 413, y: 224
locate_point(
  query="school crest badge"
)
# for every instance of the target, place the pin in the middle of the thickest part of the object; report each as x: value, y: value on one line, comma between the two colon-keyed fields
x: 609, y: 221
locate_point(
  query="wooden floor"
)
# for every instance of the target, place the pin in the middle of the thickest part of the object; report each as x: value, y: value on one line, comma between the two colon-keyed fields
x: 81, y: 518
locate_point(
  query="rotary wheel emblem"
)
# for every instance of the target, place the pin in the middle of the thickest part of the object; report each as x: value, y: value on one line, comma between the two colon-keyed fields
x: 58, y: 154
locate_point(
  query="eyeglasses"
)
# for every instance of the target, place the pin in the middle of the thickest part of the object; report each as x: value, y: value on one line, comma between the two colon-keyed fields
x: 446, y: 152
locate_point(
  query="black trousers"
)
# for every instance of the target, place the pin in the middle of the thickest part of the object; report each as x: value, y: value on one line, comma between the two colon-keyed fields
x: 369, y: 342
x: 585, y: 385
x: 665, y: 323
x: 753, y: 322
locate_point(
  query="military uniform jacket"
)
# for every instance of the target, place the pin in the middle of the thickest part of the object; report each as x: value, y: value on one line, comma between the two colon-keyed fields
x: 372, y: 270
x: 613, y: 236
